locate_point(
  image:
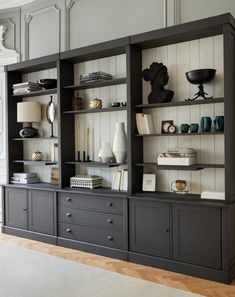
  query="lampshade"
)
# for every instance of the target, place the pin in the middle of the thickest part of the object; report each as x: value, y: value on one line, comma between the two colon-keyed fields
x: 28, y: 112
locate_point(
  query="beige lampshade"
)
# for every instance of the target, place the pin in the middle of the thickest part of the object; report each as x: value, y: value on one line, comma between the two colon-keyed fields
x: 28, y: 112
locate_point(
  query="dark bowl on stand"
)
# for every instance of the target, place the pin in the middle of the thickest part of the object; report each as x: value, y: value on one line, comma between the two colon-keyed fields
x: 200, y: 76
x: 48, y: 83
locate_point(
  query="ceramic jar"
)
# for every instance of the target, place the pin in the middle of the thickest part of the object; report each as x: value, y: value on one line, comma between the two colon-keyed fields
x: 105, y: 153
x: 37, y: 156
x: 120, y: 143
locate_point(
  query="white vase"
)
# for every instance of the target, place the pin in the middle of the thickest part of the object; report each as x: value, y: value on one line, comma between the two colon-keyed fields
x: 119, y: 143
x: 105, y: 153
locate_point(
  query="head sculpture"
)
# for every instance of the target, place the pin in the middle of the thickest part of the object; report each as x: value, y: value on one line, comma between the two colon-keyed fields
x: 158, y: 76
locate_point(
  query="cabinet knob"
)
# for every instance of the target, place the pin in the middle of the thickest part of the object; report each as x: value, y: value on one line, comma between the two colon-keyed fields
x: 68, y: 230
x: 68, y: 199
x: 109, y: 204
x: 167, y: 231
x: 109, y: 221
x: 68, y: 214
x: 109, y: 237
x: 25, y: 209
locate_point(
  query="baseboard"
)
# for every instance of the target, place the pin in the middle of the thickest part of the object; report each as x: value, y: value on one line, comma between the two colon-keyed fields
x: 185, y: 268
x: 92, y: 248
x: 29, y: 235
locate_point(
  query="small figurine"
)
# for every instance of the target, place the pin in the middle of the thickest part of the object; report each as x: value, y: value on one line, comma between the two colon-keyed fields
x: 158, y: 76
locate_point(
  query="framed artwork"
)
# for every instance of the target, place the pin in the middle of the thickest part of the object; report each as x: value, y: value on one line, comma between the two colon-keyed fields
x: 149, y: 182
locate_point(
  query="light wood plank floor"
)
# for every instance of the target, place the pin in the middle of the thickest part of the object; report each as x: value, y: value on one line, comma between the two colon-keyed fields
x: 171, y: 279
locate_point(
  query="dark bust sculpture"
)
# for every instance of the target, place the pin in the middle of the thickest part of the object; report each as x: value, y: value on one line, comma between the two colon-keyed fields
x: 158, y: 76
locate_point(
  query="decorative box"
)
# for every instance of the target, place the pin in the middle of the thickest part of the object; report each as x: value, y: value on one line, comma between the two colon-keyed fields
x: 187, y: 161
x: 86, y: 181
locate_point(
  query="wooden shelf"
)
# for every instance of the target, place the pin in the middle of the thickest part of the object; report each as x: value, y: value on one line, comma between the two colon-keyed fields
x: 180, y: 134
x: 31, y: 162
x: 106, y: 109
x: 36, y: 138
x: 194, y: 167
x: 38, y: 186
x: 98, y: 191
x: 94, y: 164
x: 37, y: 93
x: 181, y: 103
x: 99, y: 84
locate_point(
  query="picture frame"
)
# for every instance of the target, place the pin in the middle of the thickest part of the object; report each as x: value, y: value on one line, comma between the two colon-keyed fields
x: 165, y: 126
x: 54, y: 175
x: 149, y: 182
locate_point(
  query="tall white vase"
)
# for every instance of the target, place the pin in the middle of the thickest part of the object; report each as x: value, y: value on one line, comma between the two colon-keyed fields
x: 119, y: 143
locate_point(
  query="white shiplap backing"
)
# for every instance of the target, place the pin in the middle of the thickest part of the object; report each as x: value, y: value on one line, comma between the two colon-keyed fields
x: 180, y: 58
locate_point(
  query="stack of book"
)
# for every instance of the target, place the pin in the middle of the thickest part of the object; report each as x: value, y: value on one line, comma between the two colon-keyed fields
x: 120, y: 181
x: 94, y: 77
x: 25, y: 88
x: 25, y: 178
x: 179, y: 157
x: 144, y: 123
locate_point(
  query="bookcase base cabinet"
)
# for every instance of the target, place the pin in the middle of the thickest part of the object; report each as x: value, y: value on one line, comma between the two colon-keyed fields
x: 182, y: 237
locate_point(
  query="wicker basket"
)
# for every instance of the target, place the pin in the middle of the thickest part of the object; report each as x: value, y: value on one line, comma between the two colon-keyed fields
x: 86, y: 181
x: 96, y: 104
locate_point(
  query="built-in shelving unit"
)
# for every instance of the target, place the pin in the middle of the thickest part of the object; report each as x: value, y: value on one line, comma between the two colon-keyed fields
x: 95, y: 164
x: 194, y: 167
x: 36, y: 138
x: 37, y: 93
x: 99, y: 84
x: 180, y: 134
x: 31, y: 162
x: 105, y: 109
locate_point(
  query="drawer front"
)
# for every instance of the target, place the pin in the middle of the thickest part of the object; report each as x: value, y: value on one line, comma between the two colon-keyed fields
x: 87, y: 234
x: 102, y: 203
x: 90, y: 218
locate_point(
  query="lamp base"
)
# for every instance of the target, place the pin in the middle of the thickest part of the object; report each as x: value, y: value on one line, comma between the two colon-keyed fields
x: 29, y: 132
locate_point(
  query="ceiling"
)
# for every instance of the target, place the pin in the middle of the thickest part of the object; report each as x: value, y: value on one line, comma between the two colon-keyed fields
x: 13, y: 3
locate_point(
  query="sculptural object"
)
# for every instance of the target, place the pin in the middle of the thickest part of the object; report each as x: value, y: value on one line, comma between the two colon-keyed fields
x: 158, y: 76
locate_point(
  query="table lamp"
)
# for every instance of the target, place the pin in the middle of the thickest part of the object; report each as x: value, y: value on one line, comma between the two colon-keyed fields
x: 28, y: 113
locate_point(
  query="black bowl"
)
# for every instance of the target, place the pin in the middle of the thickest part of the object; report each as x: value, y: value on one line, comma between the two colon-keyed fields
x: 48, y: 83
x: 200, y: 76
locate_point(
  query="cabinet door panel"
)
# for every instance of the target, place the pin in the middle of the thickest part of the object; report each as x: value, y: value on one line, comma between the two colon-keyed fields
x: 149, y: 228
x: 16, y: 208
x: 197, y: 235
x: 41, y: 211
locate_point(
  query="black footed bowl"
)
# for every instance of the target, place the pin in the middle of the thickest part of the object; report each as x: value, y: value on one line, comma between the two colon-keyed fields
x: 48, y: 83
x: 200, y: 76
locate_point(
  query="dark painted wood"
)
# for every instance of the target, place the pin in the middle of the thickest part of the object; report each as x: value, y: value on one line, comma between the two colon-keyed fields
x: 93, y: 248
x: 98, y: 84
x: 16, y: 205
x: 33, y: 65
x: 229, y: 110
x: 89, y: 218
x: 96, y: 51
x: 38, y: 186
x: 179, y: 134
x: 95, y: 164
x: 41, y: 211
x: 150, y: 229
x: 184, y: 32
x: 31, y: 162
x: 29, y: 235
x: 103, y: 237
x: 197, y: 235
x: 181, y: 267
x: 108, y: 109
x: 37, y: 93
x: 36, y: 138
x: 194, y: 167
x: 134, y: 96
x: 181, y: 103
x: 95, y: 202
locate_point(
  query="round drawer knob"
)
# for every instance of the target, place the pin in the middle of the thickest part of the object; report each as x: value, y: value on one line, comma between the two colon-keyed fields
x: 68, y: 199
x: 68, y: 214
x: 25, y: 209
x: 109, y: 221
x: 109, y: 237
x: 68, y: 230
x: 167, y: 230
x: 109, y: 204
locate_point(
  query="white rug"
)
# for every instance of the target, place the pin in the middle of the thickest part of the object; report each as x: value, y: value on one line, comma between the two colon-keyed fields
x: 26, y: 273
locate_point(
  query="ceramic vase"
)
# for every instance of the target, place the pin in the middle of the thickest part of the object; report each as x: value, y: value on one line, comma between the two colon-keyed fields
x: 105, y: 153
x: 119, y: 143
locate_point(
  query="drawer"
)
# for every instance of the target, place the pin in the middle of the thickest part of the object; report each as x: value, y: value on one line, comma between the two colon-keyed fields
x: 90, y: 218
x: 91, y: 235
x: 85, y: 201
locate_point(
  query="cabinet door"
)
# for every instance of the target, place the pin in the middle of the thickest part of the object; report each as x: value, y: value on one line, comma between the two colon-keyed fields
x: 149, y: 228
x: 197, y: 235
x: 41, y: 211
x: 16, y: 207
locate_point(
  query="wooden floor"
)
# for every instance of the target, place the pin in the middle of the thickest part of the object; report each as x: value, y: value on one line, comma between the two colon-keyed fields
x: 171, y: 279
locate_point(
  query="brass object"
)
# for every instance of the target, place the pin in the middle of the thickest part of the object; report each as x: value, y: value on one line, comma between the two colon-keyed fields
x: 96, y: 104
x: 37, y: 156
x: 180, y: 184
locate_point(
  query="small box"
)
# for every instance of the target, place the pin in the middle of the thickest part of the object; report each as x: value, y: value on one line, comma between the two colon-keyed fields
x: 213, y: 195
x: 176, y: 161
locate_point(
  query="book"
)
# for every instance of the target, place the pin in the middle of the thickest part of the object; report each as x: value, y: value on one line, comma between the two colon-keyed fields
x: 25, y: 181
x: 116, y: 181
x: 125, y: 180
x: 144, y: 123
x: 140, y: 123
x: 25, y: 174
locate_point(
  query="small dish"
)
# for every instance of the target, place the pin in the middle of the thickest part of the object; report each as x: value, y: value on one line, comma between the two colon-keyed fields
x: 115, y: 104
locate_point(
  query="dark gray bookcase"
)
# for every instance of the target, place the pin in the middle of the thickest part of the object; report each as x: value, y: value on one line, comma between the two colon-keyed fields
x: 162, y: 229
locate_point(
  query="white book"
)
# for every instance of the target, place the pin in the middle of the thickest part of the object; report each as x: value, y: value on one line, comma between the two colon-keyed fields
x: 140, y: 123
x: 26, y: 181
x: 125, y: 180
x: 117, y: 180
x: 25, y: 174
x: 148, y: 123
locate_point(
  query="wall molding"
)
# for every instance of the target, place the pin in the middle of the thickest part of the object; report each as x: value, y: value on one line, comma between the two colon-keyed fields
x: 68, y: 7
x: 28, y: 19
x: 13, y: 25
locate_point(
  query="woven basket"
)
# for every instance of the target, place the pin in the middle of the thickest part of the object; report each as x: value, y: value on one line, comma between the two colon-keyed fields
x: 96, y: 104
